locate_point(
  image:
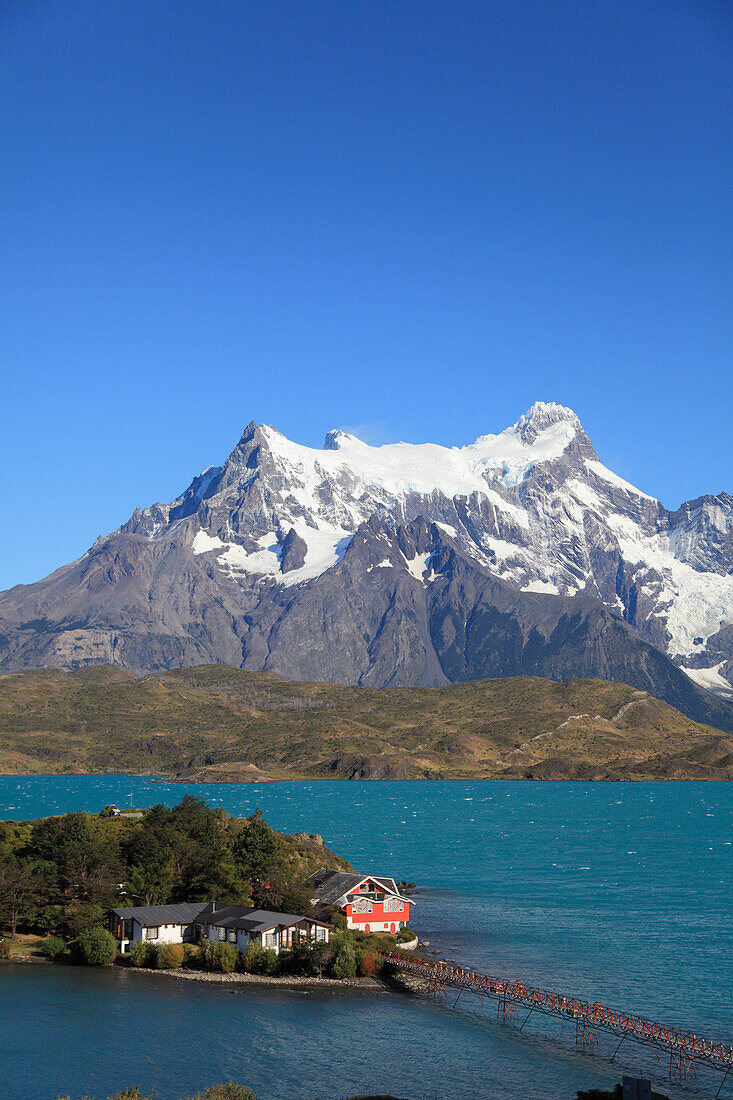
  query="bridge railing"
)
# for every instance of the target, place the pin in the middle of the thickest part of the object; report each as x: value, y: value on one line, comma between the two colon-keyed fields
x: 674, y: 1039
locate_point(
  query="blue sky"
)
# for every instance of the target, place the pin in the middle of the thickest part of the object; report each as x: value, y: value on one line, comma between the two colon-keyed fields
x: 409, y: 219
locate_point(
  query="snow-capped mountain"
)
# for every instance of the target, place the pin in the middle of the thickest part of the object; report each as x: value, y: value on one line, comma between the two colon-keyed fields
x: 372, y: 540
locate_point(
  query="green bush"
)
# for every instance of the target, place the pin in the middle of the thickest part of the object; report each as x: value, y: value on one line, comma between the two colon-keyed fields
x: 220, y: 957
x: 344, y: 965
x: 169, y: 956
x: 52, y: 947
x: 301, y: 960
x: 192, y: 955
x: 94, y: 947
x: 144, y: 954
x: 270, y: 962
x: 250, y: 960
x: 405, y: 934
x: 229, y: 1091
x: 322, y: 956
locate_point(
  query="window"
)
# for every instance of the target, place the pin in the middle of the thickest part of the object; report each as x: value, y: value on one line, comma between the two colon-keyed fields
x: 320, y: 934
x: 269, y: 939
x: 222, y: 933
x: 151, y: 933
x: 392, y: 905
x: 232, y: 935
x: 361, y: 905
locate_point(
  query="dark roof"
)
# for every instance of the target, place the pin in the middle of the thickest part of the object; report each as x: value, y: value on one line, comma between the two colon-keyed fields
x: 152, y: 915
x: 248, y: 920
x: 330, y: 886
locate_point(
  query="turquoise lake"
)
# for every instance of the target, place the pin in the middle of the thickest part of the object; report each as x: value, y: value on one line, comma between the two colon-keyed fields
x: 616, y: 892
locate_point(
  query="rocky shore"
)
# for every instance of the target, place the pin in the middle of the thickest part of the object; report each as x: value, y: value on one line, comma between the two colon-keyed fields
x: 344, y: 985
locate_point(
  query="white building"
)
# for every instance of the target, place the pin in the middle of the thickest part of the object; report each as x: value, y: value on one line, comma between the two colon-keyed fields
x: 237, y: 926
x: 158, y: 923
x: 210, y: 923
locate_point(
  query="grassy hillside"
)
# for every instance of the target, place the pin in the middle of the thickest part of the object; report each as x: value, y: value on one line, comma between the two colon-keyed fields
x: 220, y: 723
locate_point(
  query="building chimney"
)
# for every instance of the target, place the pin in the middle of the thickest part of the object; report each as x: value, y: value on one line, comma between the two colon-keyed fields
x: 213, y: 907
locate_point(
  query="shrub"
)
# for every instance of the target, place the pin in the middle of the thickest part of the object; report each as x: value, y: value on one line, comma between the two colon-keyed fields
x: 369, y: 964
x: 270, y: 962
x: 4, y: 950
x: 143, y: 954
x: 169, y: 956
x: 322, y: 956
x: 192, y: 955
x: 301, y: 960
x: 284, y: 962
x: 220, y: 957
x: 95, y: 947
x: 52, y: 947
x: 250, y: 960
x: 230, y: 1091
x: 344, y: 965
x: 405, y: 934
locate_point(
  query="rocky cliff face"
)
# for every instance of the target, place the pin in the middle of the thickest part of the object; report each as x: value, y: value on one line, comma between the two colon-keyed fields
x: 404, y: 564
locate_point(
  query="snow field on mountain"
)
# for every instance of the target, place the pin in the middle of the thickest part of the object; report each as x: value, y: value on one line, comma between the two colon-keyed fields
x: 325, y: 549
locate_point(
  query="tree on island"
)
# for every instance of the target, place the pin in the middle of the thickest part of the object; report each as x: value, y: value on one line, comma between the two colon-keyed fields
x: 257, y: 849
x: 19, y: 892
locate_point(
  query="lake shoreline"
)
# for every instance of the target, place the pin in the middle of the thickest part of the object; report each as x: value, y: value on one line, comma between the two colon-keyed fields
x: 293, y: 982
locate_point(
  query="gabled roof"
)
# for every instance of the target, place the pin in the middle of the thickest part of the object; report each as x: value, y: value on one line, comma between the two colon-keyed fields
x: 151, y: 916
x: 249, y: 920
x: 332, y: 887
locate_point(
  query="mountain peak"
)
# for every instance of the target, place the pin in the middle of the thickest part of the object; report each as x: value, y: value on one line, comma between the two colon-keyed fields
x: 335, y: 439
x: 541, y: 416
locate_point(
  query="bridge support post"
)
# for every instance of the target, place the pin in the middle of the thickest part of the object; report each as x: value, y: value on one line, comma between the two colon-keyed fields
x: 586, y: 1034
x: 682, y: 1065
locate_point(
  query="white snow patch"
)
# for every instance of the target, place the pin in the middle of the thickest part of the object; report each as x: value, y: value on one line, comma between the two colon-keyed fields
x: 613, y: 479
x: 541, y: 586
x: 418, y: 566
x: 326, y: 547
x: 449, y: 530
x: 386, y: 564
x: 584, y: 494
x: 510, y: 458
x: 204, y: 542
x: 710, y: 678
x: 699, y: 603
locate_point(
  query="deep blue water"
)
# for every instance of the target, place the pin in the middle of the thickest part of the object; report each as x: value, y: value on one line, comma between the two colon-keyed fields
x: 618, y: 892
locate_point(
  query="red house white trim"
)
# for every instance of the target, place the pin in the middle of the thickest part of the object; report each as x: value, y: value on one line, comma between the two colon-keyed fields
x: 370, y: 903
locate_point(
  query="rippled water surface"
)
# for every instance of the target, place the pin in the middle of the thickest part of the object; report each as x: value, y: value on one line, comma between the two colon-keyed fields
x: 617, y: 892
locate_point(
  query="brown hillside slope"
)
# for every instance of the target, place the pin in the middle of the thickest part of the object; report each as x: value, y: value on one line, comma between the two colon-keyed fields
x: 220, y: 723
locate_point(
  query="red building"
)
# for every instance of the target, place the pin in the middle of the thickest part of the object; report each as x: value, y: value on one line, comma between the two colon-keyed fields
x: 371, y: 903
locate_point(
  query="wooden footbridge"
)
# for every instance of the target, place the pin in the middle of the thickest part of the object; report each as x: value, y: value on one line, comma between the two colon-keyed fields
x: 686, y: 1051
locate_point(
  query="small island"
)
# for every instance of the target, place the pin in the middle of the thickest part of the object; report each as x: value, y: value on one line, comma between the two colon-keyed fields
x: 194, y: 892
